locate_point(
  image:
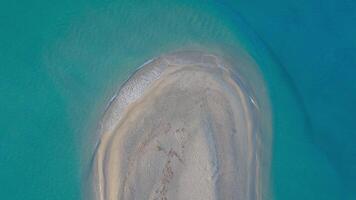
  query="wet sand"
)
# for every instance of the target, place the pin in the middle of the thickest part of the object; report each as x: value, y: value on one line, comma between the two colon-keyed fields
x: 184, y: 126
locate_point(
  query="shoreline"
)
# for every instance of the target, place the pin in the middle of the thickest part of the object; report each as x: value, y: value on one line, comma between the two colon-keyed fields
x: 154, y: 82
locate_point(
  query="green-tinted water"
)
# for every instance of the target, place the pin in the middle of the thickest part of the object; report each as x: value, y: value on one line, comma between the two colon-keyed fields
x: 62, y: 61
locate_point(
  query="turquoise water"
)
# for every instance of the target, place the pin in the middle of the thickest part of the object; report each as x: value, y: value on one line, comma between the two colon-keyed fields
x: 62, y: 61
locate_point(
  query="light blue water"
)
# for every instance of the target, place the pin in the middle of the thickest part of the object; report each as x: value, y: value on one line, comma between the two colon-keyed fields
x: 62, y: 61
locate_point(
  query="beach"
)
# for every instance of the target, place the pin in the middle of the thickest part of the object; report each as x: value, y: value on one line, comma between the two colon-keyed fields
x: 183, y: 126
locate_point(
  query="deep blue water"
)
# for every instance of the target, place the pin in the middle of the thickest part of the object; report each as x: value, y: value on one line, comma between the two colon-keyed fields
x: 61, y: 62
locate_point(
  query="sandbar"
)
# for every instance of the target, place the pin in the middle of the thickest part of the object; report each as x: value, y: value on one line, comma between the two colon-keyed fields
x: 182, y: 127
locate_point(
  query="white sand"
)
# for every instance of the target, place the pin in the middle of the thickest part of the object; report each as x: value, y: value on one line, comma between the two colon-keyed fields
x: 182, y: 127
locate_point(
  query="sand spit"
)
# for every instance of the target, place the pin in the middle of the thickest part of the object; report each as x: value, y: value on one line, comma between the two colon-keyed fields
x: 184, y: 127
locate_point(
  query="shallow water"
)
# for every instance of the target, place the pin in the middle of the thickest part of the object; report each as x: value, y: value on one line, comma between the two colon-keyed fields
x: 62, y: 62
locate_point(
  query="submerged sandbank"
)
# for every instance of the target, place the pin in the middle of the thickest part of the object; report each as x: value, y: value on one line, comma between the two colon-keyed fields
x: 184, y: 126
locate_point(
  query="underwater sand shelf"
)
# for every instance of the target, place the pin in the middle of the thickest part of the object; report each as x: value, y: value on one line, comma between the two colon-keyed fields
x: 184, y: 126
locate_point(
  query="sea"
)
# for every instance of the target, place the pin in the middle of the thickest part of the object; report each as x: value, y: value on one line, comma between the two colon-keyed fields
x: 62, y: 61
